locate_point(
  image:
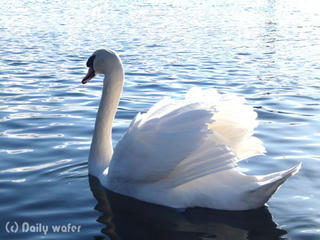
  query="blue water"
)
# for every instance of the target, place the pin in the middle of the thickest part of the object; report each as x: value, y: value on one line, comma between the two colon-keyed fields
x: 267, y: 51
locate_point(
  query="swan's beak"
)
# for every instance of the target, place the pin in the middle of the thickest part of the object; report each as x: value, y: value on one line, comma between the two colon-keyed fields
x: 91, y: 73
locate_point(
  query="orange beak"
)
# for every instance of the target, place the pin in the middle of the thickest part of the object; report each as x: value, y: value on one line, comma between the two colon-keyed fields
x: 89, y: 75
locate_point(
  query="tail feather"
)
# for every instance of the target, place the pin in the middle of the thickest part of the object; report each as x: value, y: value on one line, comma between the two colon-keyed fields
x: 269, y: 184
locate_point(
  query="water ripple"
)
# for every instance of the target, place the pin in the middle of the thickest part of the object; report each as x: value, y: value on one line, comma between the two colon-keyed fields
x: 37, y: 167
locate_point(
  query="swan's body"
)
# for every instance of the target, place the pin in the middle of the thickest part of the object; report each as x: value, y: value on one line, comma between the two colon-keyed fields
x: 181, y: 153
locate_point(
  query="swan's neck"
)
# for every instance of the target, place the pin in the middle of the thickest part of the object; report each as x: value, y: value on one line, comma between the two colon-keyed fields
x: 101, y: 146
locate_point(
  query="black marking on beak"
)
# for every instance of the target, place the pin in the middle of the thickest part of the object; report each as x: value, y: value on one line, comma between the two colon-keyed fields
x: 90, y: 61
x: 91, y: 73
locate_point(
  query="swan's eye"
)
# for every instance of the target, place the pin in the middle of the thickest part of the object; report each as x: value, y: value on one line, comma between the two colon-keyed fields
x: 90, y: 61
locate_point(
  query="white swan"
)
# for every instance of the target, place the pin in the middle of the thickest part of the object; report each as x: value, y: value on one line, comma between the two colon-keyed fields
x: 181, y: 153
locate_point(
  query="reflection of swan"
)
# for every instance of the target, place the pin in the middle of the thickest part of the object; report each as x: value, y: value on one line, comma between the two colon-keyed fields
x: 127, y: 218
x: 181, y: 153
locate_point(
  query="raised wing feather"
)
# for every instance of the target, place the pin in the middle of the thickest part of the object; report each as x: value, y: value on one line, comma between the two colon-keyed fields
x: 178, y: 141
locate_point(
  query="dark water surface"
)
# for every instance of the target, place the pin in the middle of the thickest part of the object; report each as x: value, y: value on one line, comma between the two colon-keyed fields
x: 267, y: 51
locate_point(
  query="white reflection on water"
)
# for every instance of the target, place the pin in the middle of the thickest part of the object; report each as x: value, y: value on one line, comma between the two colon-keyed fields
x: 16, y: 151
x: 9, y: 134
x: 37, y: 167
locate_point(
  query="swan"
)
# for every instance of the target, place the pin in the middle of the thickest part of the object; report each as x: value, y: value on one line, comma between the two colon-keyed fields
x: 180, y: 153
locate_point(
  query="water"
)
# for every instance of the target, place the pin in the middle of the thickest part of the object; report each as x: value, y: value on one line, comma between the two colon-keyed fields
x: 267, y: 51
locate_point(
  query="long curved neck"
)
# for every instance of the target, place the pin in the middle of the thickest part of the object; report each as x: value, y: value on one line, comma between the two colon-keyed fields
x: 101, y: 146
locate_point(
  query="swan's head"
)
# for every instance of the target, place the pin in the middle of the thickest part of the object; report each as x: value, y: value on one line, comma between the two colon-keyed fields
x: 102, y: 62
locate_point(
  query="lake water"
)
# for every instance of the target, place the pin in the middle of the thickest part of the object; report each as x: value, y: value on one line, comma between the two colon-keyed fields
x: 266, y: 50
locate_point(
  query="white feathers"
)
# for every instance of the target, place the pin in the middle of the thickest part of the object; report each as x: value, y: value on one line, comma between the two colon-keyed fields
x: 188, y: 150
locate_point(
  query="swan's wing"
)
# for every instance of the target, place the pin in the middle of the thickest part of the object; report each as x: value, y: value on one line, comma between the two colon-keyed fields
x: 182, y: 140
